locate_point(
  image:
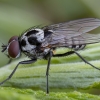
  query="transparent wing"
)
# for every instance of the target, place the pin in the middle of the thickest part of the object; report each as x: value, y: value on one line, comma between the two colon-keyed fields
x: 82, y: 39
x: 73, y: 32
x: 74, y: 28
x: 77, y: 40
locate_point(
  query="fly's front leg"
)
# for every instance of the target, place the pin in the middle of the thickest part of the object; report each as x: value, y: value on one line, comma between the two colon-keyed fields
x: 22, y: 62
x: 47, y: 71
x: 10, y: 59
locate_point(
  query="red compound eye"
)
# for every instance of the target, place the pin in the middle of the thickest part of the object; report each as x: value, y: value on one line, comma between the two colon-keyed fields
x: 14, y: 48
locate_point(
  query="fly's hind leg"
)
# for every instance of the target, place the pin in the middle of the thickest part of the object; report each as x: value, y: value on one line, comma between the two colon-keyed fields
x: 86, y: 61
x: 72, y: 52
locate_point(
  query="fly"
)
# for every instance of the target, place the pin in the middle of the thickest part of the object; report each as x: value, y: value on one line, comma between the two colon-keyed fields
x: 40, y: 43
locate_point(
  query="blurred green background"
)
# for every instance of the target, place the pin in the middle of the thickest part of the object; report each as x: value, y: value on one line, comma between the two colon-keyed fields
x: 18, y: 15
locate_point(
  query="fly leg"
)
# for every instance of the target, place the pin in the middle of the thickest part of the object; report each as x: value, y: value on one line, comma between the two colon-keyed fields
x: 85, y: 60
x: 22, y: 62
x: 10, y: 59
x: 64, y: 54
x: 72, y: 52
x: 47, y: 71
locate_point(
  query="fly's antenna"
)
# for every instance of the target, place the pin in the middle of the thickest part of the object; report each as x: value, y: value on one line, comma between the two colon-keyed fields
x: 3, y: 46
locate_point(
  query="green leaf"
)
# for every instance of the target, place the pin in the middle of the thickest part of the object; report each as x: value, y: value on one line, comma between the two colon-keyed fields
x: 66, y: 74
x: 9, y: 93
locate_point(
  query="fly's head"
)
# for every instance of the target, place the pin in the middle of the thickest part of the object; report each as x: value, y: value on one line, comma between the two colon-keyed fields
x: 29, y: 43
x: 31, y: 40
x: 13, y: 47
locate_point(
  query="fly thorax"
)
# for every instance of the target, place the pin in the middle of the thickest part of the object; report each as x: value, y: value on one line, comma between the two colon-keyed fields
x: 31, y: 40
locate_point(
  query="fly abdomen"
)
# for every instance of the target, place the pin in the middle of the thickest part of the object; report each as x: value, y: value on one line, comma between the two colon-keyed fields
x: 77, y: 47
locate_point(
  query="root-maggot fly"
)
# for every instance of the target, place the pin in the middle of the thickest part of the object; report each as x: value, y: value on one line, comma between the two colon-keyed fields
x: 39, y: 43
